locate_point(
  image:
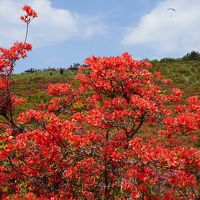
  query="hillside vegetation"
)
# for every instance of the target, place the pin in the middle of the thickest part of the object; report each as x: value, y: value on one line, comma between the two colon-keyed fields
x: 184, y: 74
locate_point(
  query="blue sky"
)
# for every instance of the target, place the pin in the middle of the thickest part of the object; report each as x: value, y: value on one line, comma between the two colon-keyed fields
x: 68, y: 31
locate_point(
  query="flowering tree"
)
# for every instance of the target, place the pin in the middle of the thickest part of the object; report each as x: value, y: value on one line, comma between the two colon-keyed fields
x: 99, y: 150
x: 8, y: 58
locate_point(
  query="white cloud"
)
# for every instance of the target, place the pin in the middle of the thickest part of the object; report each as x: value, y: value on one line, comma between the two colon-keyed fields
x: 52, y: 26
x: 168, y: 32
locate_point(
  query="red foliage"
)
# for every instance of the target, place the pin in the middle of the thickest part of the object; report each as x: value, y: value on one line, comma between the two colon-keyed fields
x: 97, y: 152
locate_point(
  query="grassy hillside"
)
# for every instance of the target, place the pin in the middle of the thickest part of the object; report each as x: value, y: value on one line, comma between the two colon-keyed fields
x: 34, y: 86
x: 185, y: 75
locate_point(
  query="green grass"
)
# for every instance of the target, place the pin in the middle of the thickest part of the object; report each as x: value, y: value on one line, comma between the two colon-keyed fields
x: 185, y: 75
x: 33, y: 86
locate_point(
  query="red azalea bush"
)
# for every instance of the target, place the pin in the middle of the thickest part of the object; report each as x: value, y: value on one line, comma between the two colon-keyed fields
x: 99, y: 150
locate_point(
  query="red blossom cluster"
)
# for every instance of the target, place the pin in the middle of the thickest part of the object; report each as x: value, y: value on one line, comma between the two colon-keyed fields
x: 89, y: 142
x: 59, y: 89
x: 8, y: 57
x: 187, y: 119
x: 30, y: 14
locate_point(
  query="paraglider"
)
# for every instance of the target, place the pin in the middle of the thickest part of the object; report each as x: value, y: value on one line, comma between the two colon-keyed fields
x: 171, y: 11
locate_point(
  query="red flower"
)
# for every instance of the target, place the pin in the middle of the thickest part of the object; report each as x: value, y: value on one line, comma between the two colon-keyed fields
x: 30, y: 14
